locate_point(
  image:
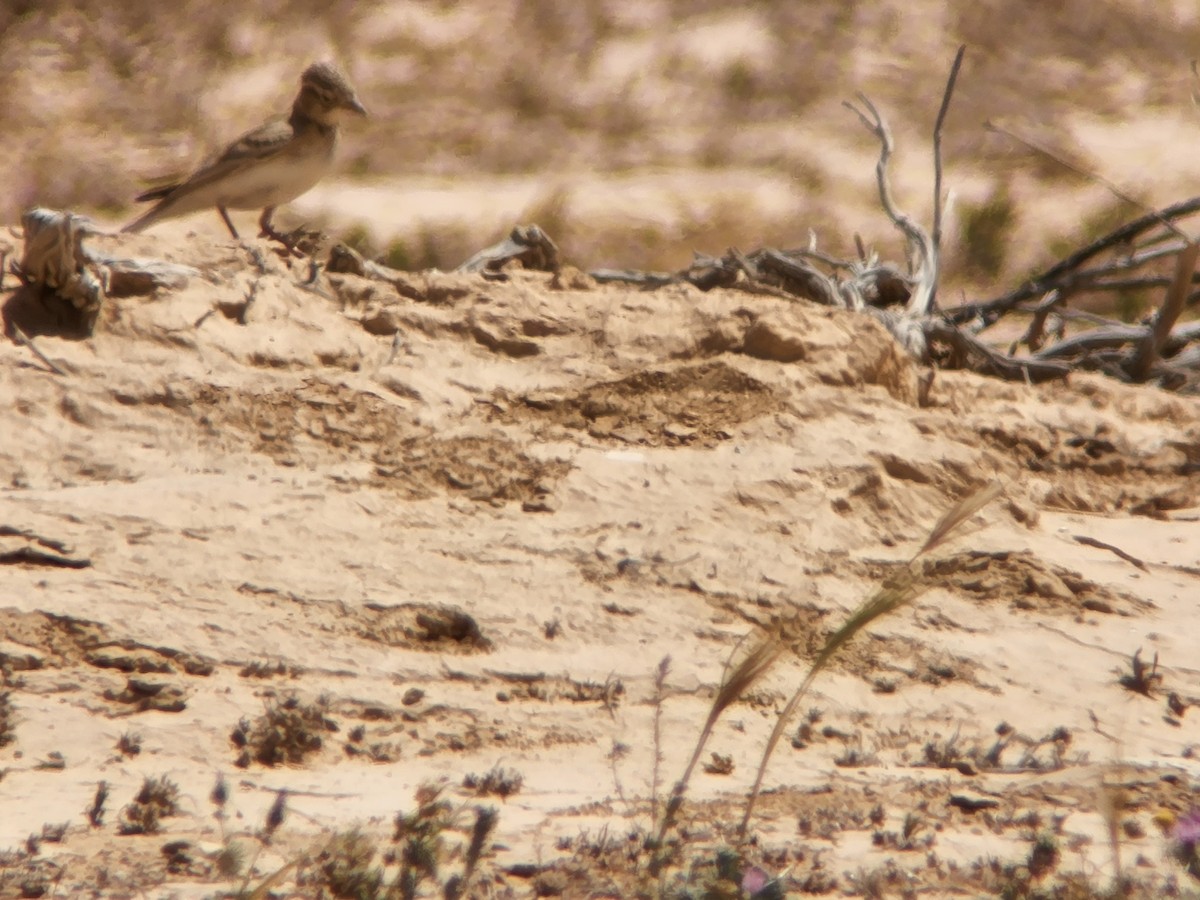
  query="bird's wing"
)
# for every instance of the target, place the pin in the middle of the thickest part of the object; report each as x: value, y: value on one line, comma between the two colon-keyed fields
x: 261, y: 143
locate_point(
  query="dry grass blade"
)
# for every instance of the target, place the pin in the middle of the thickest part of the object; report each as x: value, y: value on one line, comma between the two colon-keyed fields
x: 740, y: 679
x: 958, y: 514
x: 896, y: 592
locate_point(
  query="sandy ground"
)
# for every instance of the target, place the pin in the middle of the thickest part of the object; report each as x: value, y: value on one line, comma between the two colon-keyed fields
x: 471, y: 517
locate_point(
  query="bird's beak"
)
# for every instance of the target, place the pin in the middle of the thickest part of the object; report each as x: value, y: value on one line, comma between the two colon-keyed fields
x: 356, y: 107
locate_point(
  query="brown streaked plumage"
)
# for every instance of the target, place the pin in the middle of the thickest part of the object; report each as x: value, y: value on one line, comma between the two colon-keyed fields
x: 271, y: 165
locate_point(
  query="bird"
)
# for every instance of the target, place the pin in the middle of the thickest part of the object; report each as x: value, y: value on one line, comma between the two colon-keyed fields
x: 269, y: 166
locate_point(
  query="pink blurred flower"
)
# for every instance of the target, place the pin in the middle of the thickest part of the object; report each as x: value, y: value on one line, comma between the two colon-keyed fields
x: 1187, y: 829
x: 754, y: 880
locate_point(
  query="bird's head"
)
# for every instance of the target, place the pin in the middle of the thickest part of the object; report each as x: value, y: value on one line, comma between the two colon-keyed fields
x: 326, y: 94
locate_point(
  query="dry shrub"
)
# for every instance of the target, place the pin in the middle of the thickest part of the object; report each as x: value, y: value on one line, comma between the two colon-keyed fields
x: 157, y: 799
x: 286, y: 733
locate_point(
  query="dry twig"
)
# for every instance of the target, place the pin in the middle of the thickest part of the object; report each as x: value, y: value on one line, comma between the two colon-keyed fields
x: 25, y: 339
x: 937, y: 170
x: 1151, y: 345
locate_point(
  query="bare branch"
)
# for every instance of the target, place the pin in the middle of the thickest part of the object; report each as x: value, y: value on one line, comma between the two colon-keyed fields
x: 937, y: 172
x: 992, y: 362
x: 1089, y: 541
x: 25, y: 339
x: 1150, y: 347
x: 992, y: 309
x: 1116, y: 337
x: 919, y: 243
x: 1037, y: 324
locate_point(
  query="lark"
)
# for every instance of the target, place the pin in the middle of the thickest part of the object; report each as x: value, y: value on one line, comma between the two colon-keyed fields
x: 269, y: 166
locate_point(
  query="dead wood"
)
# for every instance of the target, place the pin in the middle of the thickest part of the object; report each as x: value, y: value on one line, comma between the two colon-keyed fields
x: 923, y: 264
x: 937, y: 167
x: 1100, y: 545
x: 1068, y: 270
x: 27, y: 341
x: 526, y: 244
x: 1151, y: 345
x: 971, y: 353
x: 56, y: 261
x: 31, y: 556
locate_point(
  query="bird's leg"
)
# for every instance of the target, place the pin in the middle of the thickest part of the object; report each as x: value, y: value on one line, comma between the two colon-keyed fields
x: 228, y: 222
x: 268, y: 231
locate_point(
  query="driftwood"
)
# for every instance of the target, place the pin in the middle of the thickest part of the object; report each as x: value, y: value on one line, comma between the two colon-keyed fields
x: 56, y: 260
x: 905, y: 302
x: 526, y: 244
x: 904, y: 298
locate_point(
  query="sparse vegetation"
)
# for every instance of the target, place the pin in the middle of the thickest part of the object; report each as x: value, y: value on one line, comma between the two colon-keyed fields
x: 1142, y: 678
x: 348, y: 869
x: 497, y: 782
x: 95, y: 812
x: 266, y: 669
x: 286, y: 733
x: 129, y: 744
x: 157, y: 799
x: 8, y: 722
x: 987, y: 232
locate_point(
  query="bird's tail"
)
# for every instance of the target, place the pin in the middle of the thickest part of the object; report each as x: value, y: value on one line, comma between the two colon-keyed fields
x: 157, y: 193
x: 152, y: 215
x: 141, y: 223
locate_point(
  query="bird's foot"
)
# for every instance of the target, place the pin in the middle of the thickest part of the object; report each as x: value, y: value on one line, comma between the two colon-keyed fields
x: 290, y: 241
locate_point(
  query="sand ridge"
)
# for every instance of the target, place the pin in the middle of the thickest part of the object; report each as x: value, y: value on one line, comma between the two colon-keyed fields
x: 473, y: 515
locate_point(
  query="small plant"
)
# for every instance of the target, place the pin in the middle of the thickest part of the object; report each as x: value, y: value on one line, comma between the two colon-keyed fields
x: 986, y: 233
x: 1141, y: 678
x: 54, y: 834
x: 230, y: 860
x: 286, y: 733
x: 500, y: 782
x: 722, y: 878
x: 914, y: 834
x: 661, y: 671
x: 8, y: 724
x: 805, y: 730
x: 759, y: 885
x: 219, y: 796
x: 419, y: 835
x: 854, y: 755
x: 1058, y: 741
x: 1043, y: 856
x: 347, y: 870
x: 129, y: 744
x: 947, y: 754
x: 423, y: 846
x: 158, y: 799
x: 264, y: 669
x: 95, y: 812
x: 275, y: 815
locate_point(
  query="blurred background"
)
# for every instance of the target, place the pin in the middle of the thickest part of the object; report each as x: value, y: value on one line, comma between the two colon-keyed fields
x: 632, y: 131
